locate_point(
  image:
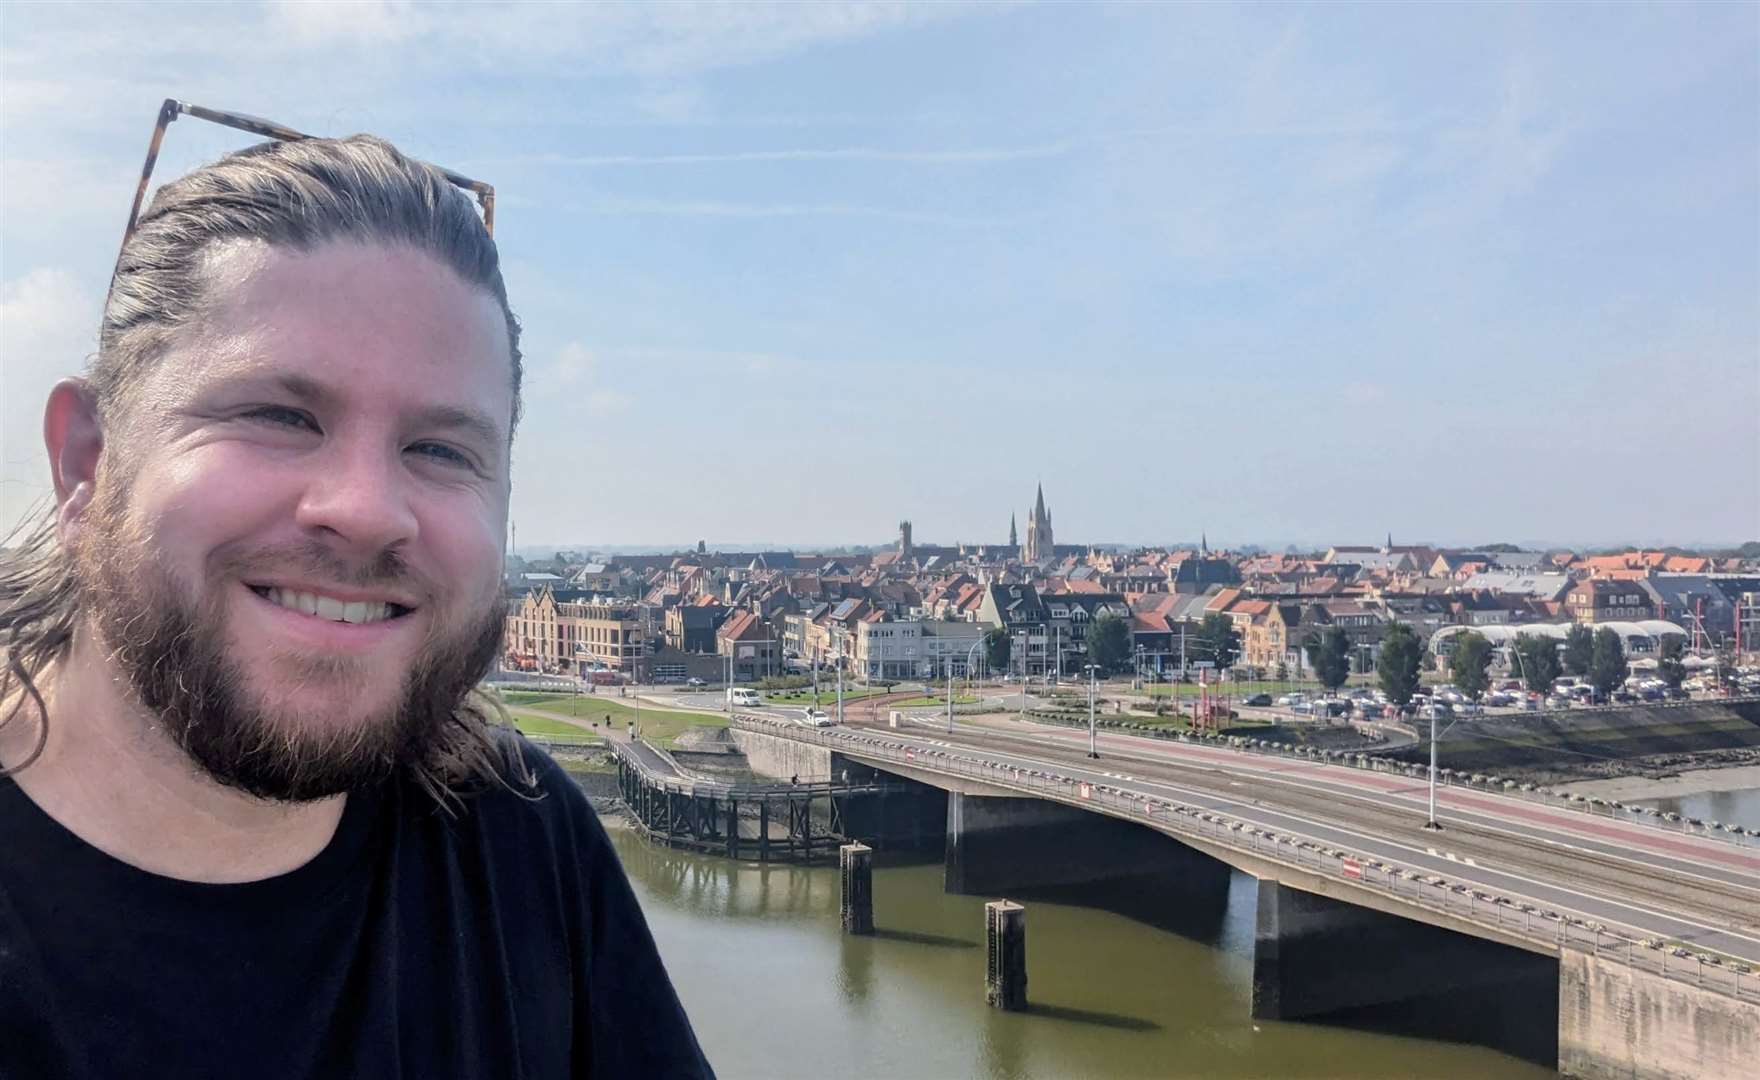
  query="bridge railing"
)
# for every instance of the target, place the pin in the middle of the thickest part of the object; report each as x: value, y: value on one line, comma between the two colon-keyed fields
x: 1612, y: 809
x: 722, y: 790
x: 1515, y: 916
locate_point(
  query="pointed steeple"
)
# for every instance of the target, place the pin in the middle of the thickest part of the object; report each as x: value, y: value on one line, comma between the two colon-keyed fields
x: 1203, y: 543
x: 1039, y: 505
x: 1013, y: 536
x: 1388, y: 550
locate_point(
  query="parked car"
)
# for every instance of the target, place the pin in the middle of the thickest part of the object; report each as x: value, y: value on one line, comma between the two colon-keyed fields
x: 1259, y: 700
x: 694, y: 681
x: 1370, y: 710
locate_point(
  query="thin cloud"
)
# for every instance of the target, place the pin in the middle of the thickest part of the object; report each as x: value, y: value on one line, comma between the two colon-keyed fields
x: 974, y: 155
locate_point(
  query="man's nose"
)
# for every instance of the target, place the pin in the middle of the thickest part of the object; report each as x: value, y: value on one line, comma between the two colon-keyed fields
x: 360, y: 497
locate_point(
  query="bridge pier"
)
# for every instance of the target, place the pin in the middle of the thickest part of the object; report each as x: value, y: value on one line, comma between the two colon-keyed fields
x: 1618, y: 1021
x: 1315, y: 956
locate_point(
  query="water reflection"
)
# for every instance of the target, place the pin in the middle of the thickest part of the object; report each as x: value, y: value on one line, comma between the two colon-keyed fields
x: 1146, y: 984
x: 1739, y: 807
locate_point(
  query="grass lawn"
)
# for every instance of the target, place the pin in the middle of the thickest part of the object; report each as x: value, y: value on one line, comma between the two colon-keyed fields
x: 545, y: 727
x: 659, y: 726
x: 826, y: 697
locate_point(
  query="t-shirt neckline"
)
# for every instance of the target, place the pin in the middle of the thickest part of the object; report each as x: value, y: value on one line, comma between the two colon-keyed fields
x: 66, y: 852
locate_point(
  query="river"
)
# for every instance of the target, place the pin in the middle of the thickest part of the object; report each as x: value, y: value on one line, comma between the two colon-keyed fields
x: 775, y: 989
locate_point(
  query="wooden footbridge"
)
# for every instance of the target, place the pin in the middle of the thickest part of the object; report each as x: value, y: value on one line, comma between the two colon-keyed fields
x: 796, y: 822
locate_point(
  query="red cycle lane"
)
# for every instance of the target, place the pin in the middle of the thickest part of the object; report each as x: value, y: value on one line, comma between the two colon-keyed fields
x: 1565, y: 821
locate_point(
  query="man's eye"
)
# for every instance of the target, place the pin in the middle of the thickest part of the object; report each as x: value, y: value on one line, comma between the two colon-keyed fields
x: 282, y: 416
x: 442, y: 453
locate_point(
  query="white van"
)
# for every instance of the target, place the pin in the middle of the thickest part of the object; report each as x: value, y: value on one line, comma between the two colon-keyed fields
x: 742, y: 697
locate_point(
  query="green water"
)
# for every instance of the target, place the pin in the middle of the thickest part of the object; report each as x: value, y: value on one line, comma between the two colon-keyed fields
x: 776, y: 990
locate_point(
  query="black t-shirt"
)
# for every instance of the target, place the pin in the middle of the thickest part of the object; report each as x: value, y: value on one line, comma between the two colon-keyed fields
x: 501, y: 942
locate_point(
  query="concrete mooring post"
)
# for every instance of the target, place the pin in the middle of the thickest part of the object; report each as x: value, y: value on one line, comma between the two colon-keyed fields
x: 1005, y: 936
x: 856, y: 861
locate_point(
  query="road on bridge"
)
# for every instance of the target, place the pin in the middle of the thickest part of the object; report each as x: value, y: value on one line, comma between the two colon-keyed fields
x: 1696, y: 890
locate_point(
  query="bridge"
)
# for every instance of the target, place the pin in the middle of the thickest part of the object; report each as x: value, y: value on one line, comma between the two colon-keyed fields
x: 1644, y: 930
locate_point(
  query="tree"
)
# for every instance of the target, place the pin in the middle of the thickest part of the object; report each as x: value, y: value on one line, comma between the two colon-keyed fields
x: 1668, y: 662
x: 1330, y: 656
x: 1217, y: 641
x: 1579, y: 650
x: 1402, y: 657
x: 1537, y: 657
x: 1607, y: 664
x: 1109, y: 642
x: 997, y: 647
x: 1469, y: 664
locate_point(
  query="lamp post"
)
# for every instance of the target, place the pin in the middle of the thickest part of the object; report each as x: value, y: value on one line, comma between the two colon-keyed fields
x: 1093, y: 687
x: 970, y: 654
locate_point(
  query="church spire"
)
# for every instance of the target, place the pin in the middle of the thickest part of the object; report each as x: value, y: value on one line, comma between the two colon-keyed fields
x: 1013, y: 536
x: 1388, y: 550
x: 1203, y: 543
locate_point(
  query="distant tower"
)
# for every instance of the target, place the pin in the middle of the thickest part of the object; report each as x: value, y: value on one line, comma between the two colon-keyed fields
x: 904, y: 539
x: 702, y: 547
x: 1039, y: 542
x: 1203, y: 543
x: 1388, y: 549
x: 1014, y: 540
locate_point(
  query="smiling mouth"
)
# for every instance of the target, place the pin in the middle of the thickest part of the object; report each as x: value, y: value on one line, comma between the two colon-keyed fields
x: 328, y: 607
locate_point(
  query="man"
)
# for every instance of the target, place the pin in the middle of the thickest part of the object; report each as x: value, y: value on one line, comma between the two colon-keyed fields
x: 254, y: 818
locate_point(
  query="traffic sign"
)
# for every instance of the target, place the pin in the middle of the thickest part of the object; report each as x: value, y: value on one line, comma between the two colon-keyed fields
x: 1203, y: 663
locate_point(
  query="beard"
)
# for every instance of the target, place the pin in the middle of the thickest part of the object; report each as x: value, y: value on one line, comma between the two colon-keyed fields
x: 180, y: 663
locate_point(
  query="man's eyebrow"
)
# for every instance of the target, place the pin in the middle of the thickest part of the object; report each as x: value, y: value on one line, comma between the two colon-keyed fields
x: 445, y: 417
x: 461, y: 419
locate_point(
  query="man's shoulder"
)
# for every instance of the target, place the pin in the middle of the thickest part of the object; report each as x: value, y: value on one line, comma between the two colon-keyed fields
x: 531, y: 805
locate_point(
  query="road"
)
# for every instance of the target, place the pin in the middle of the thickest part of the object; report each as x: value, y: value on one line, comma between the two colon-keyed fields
x: 1697, y: 890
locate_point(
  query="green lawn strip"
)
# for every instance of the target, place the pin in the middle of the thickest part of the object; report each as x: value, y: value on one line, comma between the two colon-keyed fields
x: 544, y: 727
x: 826, y: 697
x: 659, y: 726
x: 919, y: 702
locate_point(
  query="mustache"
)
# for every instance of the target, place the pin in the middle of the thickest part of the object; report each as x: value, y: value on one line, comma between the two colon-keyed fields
x: 312, y: 561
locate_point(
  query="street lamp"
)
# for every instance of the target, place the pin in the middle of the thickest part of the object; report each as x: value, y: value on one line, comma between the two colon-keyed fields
x: 1433, y: 825
x: 970, y: 654
x: 1093, y: 687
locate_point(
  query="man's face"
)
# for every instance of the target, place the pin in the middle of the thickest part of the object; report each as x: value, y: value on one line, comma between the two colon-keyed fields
x: 302, y: 511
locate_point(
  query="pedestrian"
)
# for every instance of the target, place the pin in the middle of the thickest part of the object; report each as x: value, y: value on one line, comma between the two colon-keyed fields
x: 257, y: 818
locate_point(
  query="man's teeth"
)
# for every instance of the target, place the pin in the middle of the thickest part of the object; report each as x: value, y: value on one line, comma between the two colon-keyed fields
x: 325, y: 607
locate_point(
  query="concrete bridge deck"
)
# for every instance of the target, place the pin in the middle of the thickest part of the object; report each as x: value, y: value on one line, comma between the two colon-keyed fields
x: 1503, y: 868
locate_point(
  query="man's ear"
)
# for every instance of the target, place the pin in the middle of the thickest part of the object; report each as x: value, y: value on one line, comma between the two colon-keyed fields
x: 75, y: 440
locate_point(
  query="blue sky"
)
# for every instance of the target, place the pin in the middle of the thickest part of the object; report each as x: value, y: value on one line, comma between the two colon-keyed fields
x: 791, y: 273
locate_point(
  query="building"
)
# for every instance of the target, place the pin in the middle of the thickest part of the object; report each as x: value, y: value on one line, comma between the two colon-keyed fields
x: 1018, y: 610
x: 1599, y: 600
x: 601, y: 637
x: 573, y: 637
x: 690, y: 626
x: 1067, y: 618
x: 744, y: 642
x: 1040, y: 544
